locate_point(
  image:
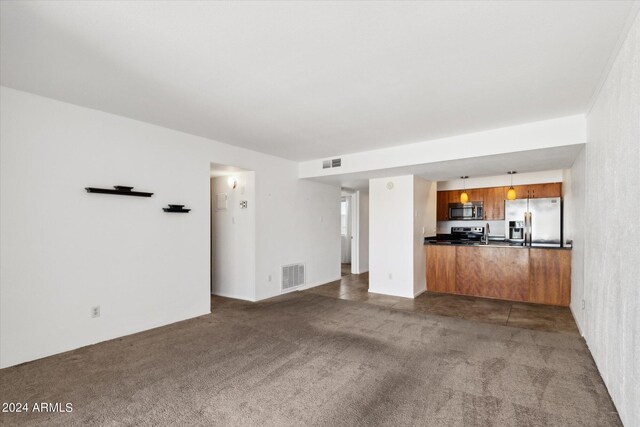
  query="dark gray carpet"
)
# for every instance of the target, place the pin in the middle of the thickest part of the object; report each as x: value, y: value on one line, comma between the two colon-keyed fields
x: 304, y: 359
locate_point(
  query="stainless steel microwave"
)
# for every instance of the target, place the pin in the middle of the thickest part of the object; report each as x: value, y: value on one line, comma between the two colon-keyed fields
x: 466, y: 211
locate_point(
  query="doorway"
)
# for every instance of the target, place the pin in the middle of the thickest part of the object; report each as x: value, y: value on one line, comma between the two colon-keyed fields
x: 354, y: 231
x: 346, y: 233
x: 233, y: 217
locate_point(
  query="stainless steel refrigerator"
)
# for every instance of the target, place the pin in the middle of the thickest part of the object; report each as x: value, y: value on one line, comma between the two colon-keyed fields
x: 536, y: 222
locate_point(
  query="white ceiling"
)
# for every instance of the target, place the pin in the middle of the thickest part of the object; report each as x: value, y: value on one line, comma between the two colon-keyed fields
x: 304, y: 80
x: 522, y: 161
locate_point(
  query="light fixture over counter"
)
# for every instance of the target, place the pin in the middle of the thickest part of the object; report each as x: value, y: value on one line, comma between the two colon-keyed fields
x: 464, y: 197
x: 511, y: 193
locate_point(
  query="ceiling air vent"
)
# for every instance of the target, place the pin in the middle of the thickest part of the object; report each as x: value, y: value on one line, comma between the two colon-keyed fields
x: 292, y: 276
x: 336, y: 163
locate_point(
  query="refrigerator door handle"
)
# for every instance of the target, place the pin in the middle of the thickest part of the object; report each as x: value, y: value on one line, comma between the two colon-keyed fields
x: 530, y: 228
x: 527, y: 228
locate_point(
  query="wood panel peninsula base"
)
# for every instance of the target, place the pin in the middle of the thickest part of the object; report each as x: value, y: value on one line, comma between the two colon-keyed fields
x: 537, y: 275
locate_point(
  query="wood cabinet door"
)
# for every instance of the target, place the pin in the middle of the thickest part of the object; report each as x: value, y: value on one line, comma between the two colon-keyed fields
x: 522, y: 191
x: 454, y: 196
x: 441, y: 268
x: 553, y: 189
x: 550, y: 276
x: 476, y: 194
x: 443, y: 206
x: 493, y: 272
x: 494, y: 198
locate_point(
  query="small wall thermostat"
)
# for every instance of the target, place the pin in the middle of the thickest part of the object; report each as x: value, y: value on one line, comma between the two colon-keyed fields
x: 389, y: 185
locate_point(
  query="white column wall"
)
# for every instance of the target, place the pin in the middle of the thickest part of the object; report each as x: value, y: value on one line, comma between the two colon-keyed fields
x: 391, y: 236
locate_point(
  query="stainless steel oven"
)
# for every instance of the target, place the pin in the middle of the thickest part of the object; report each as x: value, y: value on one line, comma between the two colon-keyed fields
x: 466, y: 211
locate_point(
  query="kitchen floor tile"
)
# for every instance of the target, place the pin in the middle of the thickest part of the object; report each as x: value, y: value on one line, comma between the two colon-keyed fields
x: 355, y: 287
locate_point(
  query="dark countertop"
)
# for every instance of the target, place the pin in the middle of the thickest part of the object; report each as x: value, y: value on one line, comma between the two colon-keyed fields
x: 496, y: 243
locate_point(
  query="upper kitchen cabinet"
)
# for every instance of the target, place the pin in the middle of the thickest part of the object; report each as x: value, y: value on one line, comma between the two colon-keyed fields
x: 539, y: 191
x: 494, y: 198
x: 453, y: 196
x: 476, y: 194
x: 443, y: 206
x: 522, y: 191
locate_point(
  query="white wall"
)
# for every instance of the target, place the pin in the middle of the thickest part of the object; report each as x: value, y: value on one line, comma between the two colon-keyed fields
x: 574, y: 229
x: 399, y: 218
x: 424, y: 224
x: 233, y: 238
x: 531, y: 136
x: 298, y: 221
x: 611, y: 323
x: 63, y: 250
x: 363, y: 207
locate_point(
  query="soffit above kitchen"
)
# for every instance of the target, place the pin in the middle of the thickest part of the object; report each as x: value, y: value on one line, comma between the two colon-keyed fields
x: 304, y: 80
x: 546, y: 159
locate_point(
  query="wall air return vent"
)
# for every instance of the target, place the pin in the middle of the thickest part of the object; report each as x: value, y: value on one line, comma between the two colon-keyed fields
x: 292, y: 276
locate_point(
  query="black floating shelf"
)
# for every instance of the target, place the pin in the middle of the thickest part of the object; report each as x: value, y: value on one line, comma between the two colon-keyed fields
x: 118, y: 189
x: 176, y: 209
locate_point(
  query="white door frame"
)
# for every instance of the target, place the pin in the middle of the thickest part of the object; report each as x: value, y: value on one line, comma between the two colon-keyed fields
x: 355, y: 233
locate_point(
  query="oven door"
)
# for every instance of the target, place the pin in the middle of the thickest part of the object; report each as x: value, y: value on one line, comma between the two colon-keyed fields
x: 462, y: 211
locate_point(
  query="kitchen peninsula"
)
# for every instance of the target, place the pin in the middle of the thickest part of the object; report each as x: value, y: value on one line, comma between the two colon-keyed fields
x: 500, y: 270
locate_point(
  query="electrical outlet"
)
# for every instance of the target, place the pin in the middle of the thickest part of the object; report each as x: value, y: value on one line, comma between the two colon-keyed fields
x: 390, y: 276
x: 583, y: 304
x: 269, y: 278
x: 95, y: 311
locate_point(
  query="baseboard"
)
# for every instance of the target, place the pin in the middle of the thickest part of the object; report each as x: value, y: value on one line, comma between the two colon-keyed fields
x: 420, y: 292
x: 313, y: 285
x: 299, y: 288
x: 90, y: 342
x: 390, y: 294
x: 224, y: 295
x: 577, y: 324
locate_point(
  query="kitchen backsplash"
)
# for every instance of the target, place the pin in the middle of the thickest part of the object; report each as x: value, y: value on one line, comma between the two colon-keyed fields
x: 496, y: 228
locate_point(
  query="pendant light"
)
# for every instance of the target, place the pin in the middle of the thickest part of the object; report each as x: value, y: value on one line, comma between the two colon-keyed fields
x: 511, y: 194
x: 464, y: 197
